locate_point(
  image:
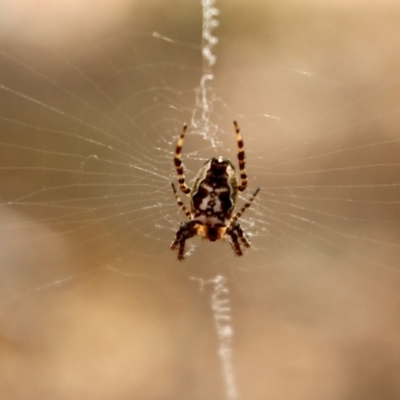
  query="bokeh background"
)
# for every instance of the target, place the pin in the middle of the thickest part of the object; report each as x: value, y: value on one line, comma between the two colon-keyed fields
x: 94, y: 305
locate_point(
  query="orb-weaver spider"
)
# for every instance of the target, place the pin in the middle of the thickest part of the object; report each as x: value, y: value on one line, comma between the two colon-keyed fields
x: 212, y: 200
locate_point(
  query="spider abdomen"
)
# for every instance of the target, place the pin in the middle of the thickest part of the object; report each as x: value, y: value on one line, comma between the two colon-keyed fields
x: 214, y: 191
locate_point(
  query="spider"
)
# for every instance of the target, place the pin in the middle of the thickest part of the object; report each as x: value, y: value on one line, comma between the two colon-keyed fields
x: 212, y: 200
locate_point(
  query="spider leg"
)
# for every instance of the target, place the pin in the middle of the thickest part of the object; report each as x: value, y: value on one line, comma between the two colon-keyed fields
x: 179, y: 240
x: 181, y: 251
x: 179, y: 201
x: 242, y: 237
x: 241, y: 157
x: 186, y: 231
x: 178, y: 162
x: 245, y: 207
x: 234, y: 240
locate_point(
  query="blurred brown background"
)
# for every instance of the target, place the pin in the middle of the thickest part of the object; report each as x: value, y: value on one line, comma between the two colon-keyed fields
x: 94, y: 305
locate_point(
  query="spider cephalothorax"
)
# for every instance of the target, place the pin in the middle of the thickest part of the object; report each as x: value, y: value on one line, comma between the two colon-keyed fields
x: 212, y: 200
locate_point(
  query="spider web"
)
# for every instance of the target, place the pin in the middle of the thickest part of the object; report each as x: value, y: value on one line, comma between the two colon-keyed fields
x: 94, y: 302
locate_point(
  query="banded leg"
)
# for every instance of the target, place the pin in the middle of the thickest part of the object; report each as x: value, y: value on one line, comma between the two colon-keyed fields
x: 186, y: 231
x: 241, y: 157
x: 245, y: 207
x: 178, y: 162
x: 242, y: 237
x: 179, y: 201
x: 234, y: 241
